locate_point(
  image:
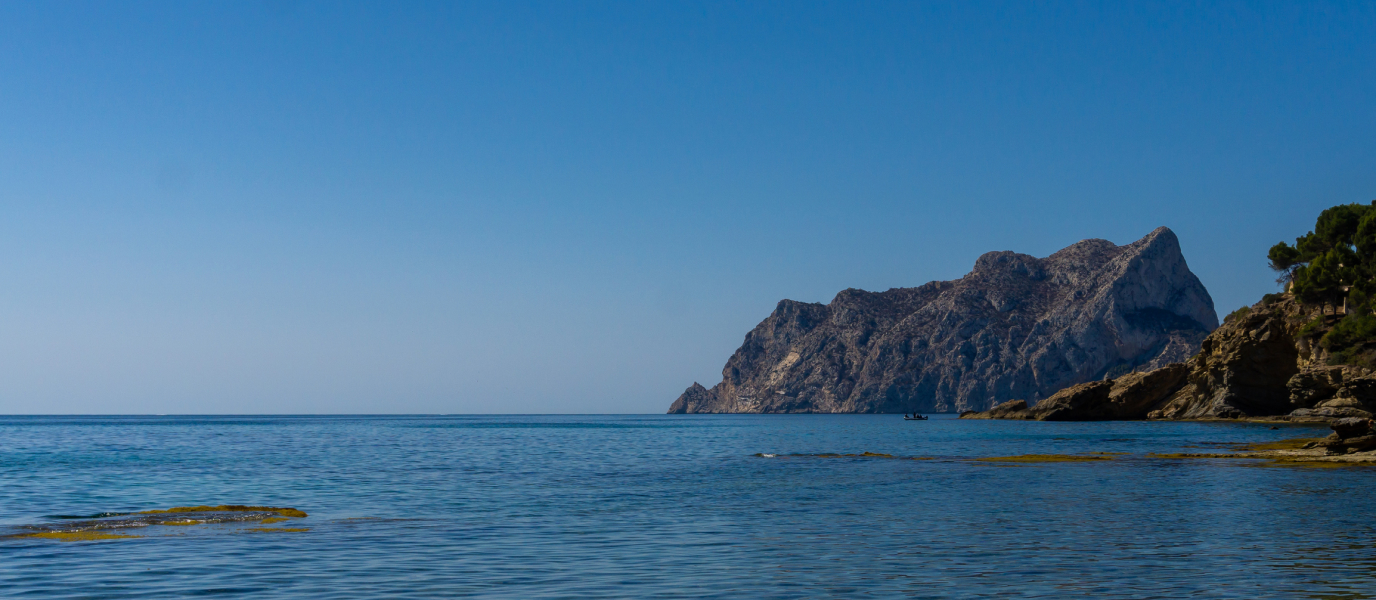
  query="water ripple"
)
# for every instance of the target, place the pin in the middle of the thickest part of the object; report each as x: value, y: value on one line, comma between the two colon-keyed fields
x: 678, y: 506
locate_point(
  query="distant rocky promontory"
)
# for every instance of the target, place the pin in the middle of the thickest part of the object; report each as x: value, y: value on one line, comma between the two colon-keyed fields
x: 1015, y: 327
x: 1307, y: 355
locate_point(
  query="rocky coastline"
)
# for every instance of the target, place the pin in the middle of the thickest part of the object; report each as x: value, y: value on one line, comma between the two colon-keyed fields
x: 1262, y: 364
x: 1353, y: 441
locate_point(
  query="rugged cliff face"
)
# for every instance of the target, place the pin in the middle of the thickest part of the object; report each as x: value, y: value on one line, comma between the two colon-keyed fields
x: 1015, y: 327
x: 1242, y: 368
x: 1260, y: 364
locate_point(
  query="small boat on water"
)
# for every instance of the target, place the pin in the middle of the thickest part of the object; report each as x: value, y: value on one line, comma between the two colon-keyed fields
x: 914, y: 417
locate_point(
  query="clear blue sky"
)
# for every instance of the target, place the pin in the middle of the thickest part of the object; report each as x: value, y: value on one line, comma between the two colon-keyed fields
x: 265, y: 207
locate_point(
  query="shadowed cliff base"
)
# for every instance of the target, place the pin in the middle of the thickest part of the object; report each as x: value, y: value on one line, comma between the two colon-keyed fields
x: 1015, y: 327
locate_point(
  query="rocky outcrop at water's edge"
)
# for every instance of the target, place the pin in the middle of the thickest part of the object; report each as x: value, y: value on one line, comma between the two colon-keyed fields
x: 1126, y: 397
x: 1262, y: 363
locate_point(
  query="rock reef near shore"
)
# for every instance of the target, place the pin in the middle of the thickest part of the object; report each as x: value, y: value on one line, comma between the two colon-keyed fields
x: 1352, y: 443
x: 1016, y: 326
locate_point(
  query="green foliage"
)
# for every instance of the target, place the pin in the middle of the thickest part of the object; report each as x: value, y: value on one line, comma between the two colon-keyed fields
x: 1350, y: 331
x: 1359, y: 301
x: 1365, y: 239
x: 1348, y: 343
x: 1311, y: 329
x: 1270, y: 299
x: 1333, y: 265
x: 1238, y: 314
x: 1283, y: 256
x: 1337, y: 225
x: 1340, y: 253
x: 1323, y: 279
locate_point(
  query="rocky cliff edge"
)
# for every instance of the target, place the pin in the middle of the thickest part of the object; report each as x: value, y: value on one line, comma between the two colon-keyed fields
x: 1262, y: 363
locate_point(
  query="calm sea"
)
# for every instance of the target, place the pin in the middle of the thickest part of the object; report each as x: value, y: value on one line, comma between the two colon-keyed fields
x: 678, y: 507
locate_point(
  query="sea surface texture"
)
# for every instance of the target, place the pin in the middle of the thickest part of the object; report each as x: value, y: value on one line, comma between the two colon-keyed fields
x: 673, y: 506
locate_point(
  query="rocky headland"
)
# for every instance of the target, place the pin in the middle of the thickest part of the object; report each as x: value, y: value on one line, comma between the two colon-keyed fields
x: 1016, y: 327
x: 1263, y: 363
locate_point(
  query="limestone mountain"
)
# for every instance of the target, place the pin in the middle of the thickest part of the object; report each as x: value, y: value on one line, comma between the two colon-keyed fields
x: 1016, y: 327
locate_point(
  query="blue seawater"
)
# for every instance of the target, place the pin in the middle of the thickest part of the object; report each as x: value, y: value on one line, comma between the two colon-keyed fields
x: 679, y: 507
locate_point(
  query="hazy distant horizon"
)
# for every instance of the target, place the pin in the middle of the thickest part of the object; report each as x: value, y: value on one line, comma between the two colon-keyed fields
x: 561, y: 208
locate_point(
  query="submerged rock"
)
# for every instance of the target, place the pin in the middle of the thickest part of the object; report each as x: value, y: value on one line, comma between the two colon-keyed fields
x: 110, y: 526
x: 1015, y: 327
x: 1044, y: 458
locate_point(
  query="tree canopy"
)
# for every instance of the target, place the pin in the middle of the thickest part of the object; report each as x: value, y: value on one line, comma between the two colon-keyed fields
x: 1337, y: 256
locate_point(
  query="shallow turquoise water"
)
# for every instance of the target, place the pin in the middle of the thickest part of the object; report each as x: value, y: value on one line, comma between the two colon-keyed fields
x: 679, y: 506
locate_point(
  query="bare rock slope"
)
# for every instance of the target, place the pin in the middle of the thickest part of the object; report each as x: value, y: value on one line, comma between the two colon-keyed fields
x: 1017, y: 327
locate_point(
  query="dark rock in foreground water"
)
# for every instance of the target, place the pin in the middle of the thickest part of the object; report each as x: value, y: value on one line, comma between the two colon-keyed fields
x: 1016, y: 327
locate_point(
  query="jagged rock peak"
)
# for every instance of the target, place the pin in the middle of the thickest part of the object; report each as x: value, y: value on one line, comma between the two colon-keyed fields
x: 1015, y: 327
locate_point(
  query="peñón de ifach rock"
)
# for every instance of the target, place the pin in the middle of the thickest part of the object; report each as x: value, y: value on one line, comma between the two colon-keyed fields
x: 1016, y: 327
